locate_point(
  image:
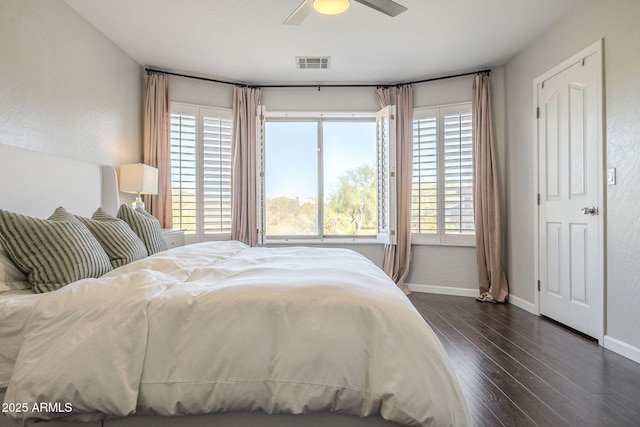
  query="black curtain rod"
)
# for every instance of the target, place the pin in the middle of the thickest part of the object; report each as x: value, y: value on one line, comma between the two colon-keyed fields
x: 153, y: 71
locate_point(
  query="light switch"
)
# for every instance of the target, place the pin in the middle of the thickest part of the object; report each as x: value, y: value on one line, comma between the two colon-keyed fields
x: 611, y: 176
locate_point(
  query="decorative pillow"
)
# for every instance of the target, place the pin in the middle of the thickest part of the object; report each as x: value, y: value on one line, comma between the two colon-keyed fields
x: 52, y: 252
x: 116, y: 238
x: 11, y: 278
x: 146, y: 226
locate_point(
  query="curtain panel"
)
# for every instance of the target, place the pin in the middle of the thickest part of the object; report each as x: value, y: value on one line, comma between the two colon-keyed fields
x: 244, y: 222
x: 397, y: 256
x: 156, y: 144
x: 492, y: 280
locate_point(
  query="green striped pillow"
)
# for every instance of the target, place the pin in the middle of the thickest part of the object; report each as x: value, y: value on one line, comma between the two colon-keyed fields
x: 146, y: 226
x: 52, y: 252
x: 116, y: 238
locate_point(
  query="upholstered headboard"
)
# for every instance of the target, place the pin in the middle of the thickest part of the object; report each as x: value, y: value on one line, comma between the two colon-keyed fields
x: 34, y: 183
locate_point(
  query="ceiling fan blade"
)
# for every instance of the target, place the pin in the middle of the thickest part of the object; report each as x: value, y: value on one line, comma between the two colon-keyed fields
x: 300, y: 14
x: 387, y: 7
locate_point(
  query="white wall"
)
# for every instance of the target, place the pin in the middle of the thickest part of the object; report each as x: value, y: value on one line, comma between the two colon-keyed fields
x: 64, y: 87
x: 617, y: 23
x: 452, y: 268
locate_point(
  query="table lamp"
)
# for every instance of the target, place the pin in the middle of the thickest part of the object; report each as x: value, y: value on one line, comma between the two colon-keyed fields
x: 138, y: 179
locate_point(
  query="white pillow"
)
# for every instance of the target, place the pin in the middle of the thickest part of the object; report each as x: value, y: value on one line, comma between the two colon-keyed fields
x: 11, y: 278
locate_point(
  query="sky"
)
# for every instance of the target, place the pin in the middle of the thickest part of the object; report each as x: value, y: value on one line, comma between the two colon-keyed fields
x: 291, y: 154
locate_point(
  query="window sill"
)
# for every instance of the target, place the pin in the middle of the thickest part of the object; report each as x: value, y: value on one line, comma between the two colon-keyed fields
x: 324, y: 241
x: 454, y: 245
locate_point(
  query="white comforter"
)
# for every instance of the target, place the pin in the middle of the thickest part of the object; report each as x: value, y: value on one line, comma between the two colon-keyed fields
x: 223, y: 327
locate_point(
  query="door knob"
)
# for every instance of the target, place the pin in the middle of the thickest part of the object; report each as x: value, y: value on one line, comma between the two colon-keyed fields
x: 590, y: 210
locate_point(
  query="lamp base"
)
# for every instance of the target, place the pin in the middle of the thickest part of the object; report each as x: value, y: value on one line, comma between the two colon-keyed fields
x: 138, y: 203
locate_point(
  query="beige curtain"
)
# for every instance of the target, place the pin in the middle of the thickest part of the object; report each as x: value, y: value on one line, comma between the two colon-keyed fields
x: 244, y: 223
x: 384, y: 96
x: 156, y: 144
x: 486, y: 197
x: 397, y: 257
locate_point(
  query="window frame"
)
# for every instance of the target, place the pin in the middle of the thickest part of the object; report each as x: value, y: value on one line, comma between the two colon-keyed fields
x: 319, y: 117
x: 441, y: 238
x: 200, y: 112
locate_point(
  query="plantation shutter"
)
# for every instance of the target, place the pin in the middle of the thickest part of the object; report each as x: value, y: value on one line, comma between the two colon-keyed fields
x: 260, y: 173
x: 442, y: 181
x: 458, y: 171
x: 424, y: 192
x: 216, y: 165
x: 201, y: 171
x: 386, y: 158
x: 183, y: 169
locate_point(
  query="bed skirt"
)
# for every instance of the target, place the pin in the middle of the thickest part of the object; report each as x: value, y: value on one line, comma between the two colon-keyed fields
x: 231, y: 419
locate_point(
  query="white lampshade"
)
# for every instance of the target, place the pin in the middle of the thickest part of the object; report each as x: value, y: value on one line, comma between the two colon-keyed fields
x: 138, y: 179
x: 330, y: 7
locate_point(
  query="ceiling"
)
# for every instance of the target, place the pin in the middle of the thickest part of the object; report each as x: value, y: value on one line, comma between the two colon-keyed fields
x: 245, y: 40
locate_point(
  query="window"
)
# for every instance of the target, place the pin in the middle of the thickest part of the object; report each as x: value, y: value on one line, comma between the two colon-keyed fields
x: 201, y: 171
x: 442, y: 187
x: 320, y: 177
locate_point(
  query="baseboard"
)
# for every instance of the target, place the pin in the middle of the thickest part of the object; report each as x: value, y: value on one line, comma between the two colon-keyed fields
x: 468, y: 292
x: 622, y: 348
x: 443, y: 290
x: 523, y: 304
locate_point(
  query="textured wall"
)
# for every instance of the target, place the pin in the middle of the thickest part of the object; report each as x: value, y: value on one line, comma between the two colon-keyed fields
x: 616, y: 22
x: 64, y: 87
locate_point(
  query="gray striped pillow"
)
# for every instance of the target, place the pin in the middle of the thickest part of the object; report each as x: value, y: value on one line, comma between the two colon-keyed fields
x: 116, y: 238
x: 54, y: 252
x: 146, y: 226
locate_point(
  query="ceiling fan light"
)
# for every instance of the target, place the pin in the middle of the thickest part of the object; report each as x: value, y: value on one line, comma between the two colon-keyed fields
x: 330, y: 7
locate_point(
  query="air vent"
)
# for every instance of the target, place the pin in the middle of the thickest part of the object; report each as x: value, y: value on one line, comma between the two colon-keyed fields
x: 313, y: 62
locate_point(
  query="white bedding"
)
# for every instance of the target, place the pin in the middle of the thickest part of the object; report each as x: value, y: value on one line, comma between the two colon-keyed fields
x: 15, y: 309
x: 222, y: 327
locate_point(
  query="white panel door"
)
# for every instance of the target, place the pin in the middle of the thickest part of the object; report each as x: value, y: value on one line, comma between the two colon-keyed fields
x: 570, y: 171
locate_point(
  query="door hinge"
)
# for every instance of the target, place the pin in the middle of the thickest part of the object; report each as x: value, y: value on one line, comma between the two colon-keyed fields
x: 538, y: 199
x: 538, y: 285
x: 537, y: 112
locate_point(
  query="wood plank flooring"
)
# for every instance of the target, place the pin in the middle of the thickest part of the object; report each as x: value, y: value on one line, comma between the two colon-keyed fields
x: 518, y: 369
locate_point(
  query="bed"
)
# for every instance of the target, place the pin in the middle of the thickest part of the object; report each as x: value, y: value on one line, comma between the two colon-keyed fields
x: 212, y: 333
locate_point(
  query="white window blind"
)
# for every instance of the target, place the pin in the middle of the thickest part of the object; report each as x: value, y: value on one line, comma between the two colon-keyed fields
x: 386, y: 150
x: 442, y: 187
x: 201, y: 171
x: 458, y: 172
x: 183, y: 171
x: 424, y: 197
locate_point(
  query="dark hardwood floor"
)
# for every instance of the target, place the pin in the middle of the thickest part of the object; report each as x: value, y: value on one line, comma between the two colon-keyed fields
x: 518, y: 369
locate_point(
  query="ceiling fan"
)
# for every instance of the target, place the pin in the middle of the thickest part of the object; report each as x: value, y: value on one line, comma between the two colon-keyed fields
x: 334, y: 7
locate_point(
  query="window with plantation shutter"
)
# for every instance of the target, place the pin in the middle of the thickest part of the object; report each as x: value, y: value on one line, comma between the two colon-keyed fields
x: 458, y: 172
x: 442, y: 187
x: 183, y: 170
x: 201, y: 171
x: 424, y: 203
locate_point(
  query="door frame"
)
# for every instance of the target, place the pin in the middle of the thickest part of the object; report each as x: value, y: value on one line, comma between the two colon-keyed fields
x: 595, y: 48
